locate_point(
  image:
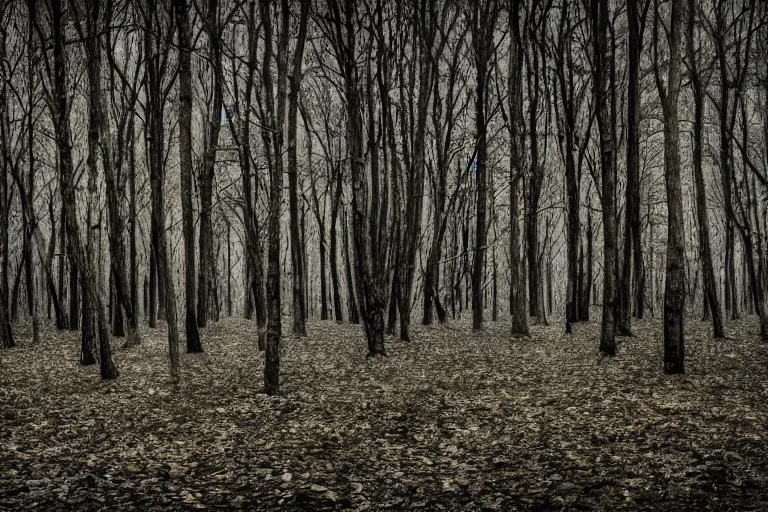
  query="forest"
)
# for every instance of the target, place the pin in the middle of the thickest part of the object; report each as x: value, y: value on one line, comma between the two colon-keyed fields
x: 372, y: 254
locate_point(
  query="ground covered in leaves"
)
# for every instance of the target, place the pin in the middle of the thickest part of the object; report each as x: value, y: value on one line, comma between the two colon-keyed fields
x: 451, y: 421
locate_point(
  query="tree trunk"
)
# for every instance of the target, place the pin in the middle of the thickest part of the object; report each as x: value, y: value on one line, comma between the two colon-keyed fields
x: 132, y: 222
x: 6, y: 330
x: 74, y: 300
x: 208, y: 167
x: 99, y: 137
x: 354, y: 316
x: 517, y: 285
x: 536, y: 167
x: 632, y: 265
x: 482, y: 56
x: 273, y: 144
x: 337, y: 314
x: 600, y: 21
x: 482, y: 43
x: 711, y: 301
x: 185, y: 169
x: 81, y: 262
x: 298, y: 256
x: 370, y: 285
x: 674, y: 289
x: 229, y: 269
x: 163, y: 274
x: 118, y: 323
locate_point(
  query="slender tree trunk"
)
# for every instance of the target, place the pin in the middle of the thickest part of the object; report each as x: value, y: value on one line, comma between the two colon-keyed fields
x: 207, y: 170
x: 517, y: 285
x: 74, y: 299
x: 632, y: 264
x: 132, y: 222
x: 185, y: 169
x: 62, y: 263
x: 354, y: 316
x: 372, y: 293
x: 600, y: 21
x: 99, y: 137
x: 482, y: 43
x: 298, y: 256
x: 6, y: 331
x: 66, y: 179
x: 337, y: 314
x: 88, y: 332
x: 165, y: 272
x: 118, y: 322
x: 160, y: 270
x: 711, y: 301
x: 229, y: 269
x: 273, y: 144
x: 53, y: 295
x: 674, y: 289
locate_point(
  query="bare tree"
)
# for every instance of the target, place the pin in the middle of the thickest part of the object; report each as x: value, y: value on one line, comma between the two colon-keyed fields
x: 297, y: 249
x: 482, y: 19
x: 517, y: 296
x: 369, y: 251
x: 159, y: 23
x: 185, y: 168
x: 711, y: 301
x: 674, y: 289
x: 632, y: 286
x: 56, y: 69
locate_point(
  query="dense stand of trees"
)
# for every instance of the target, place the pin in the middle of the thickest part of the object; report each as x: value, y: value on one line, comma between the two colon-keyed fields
x: 348, y: 160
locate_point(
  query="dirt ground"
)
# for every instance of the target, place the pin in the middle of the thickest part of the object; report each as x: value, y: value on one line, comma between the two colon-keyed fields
x: 451, y: 421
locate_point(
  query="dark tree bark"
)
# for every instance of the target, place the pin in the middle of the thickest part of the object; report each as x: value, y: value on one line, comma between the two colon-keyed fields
x: 748, y: 223
x: 93, y: 68
x: 273, y: 143
x: 632, y: 284
x: 517, y: 286
x: 585, y: 298
x: 726, y: 117
x: 99, y: 138
x: 564, y: 74
x: 60, y: 111
x: 229, y: 269
x: 156, y: 23
x: 242, y: 135
x: 674, y: 289
x: 369, y: 254
x: 600, y: 18
x: 427, y: 24
x: 298, y: 256
x: 482, y: 20
x: 74, y: 297
x: 185, y: 169
x: 337, y: 314
x: 6, y: 331
x: 705, y: 252
x: 118, y: 321
x: 207, y: 170
x: 352, y: 311
x: 62, y: 263
x: 533, y: 25
x: 446, y: 104
x: 53, y: 295
x: 29, y: 222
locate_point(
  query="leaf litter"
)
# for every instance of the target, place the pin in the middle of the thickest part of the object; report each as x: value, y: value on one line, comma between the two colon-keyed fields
x: 452, y: 421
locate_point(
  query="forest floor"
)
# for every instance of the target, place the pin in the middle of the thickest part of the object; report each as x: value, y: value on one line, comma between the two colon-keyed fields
x: 451, y: 421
